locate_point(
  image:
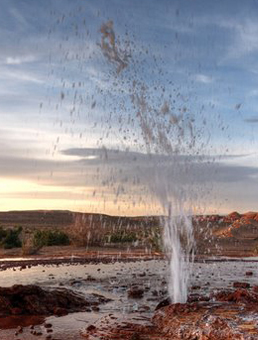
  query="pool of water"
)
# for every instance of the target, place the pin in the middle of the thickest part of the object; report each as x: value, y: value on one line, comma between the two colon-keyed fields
x: 113, y: 281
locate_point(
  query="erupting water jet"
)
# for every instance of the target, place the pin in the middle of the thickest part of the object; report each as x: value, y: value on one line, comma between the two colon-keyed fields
x: 173, y: 137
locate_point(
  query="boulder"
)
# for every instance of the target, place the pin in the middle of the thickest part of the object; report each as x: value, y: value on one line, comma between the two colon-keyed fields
x: 241, y: 285
x: 33, y: 300
x: 135, y: 292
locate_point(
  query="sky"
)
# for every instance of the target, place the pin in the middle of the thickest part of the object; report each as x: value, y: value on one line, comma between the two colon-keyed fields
x: 164, y: 112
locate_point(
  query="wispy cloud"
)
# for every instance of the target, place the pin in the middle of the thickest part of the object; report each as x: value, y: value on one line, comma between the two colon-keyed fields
x: 18, y: 16
x: 202, y: 78
x: 244, y: 36
x: 18, y: 60
x: 252, y: 93
x: 251, y: 120
x: 102, y: 164
x: 21, y: 76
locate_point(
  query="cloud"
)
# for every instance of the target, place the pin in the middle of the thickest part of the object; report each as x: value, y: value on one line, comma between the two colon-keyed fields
x: 174, y: 168
x: 20, y: 60
x: 101, y: 175
x: 20, y: 76
x: 202, y: 78
x: 112, y: 175
x: 252, y: 93
x: 244, y: 36
x: 129, y: 155
x: 98, y: 166
x: 52, y: 195
x: 18, y: 17
x: 251, y: 120
x: 187, y: 48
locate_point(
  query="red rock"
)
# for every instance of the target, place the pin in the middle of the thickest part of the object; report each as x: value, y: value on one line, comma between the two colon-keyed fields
x: 250, y: 273
x: 33, y: 300
x: 91, y: 328
x: 135, y: 336
x: 38, y: 333
x: 19, y: 329
x: 163, y: 303
x: 197, y: 297
x: 234, y: 215
x: 250, y: 215
x: 142, y: 274
x: 135, y: 292
x: 48, y: 325
x: 241, y: 285
x: 196, y: 287
x: 239, y: 295
x: 16, y: 311
x: 60, y: 311
x: 193, y: 321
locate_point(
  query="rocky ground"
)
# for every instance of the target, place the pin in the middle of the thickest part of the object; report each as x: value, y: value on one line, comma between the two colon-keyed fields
x: 227, y: 315
x: 33, y: 300
x: 74, y: 293
x: 127, y: 300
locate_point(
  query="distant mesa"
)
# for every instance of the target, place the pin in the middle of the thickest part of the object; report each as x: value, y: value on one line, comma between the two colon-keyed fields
x: 234, y: 215
x: 252, y: 215
x: 248, y: 216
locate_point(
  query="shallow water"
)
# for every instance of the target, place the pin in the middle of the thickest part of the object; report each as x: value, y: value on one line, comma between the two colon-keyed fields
x: 113, y: 281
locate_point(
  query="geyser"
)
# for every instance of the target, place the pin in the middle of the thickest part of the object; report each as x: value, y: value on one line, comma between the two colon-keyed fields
x: 174, y: 138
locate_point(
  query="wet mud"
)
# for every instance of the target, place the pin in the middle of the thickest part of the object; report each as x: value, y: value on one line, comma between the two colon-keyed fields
x: 128, y: 300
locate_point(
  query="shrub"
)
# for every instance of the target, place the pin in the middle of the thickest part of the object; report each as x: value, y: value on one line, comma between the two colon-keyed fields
x: 122, y: 237
x: 50, y: 238
x: 3, y: 234
x: 12, y: 239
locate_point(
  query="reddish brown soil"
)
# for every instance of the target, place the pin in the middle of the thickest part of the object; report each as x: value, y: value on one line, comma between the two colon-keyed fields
x: 234, y: 320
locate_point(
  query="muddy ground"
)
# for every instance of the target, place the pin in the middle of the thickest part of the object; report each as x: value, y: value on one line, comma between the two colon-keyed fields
x: 131, y: 288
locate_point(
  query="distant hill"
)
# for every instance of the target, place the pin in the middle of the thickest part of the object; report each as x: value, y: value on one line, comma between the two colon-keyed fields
x: 83, y: 228
x: 66, y: 218
x: 37, y: 218
x: 214, y: 234
x: 234, y: 234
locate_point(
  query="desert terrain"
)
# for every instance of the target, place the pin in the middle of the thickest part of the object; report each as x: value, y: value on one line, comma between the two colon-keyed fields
x: 234, y: 234
x: 105, y: 277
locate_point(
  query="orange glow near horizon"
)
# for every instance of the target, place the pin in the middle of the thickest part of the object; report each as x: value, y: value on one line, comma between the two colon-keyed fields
x: 21, y: 195
x: 27, y: 195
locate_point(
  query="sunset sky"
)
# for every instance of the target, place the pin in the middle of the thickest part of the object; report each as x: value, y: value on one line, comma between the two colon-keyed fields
x: 70, y: 132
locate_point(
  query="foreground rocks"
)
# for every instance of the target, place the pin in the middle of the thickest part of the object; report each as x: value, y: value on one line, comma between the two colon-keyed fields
x: 230, y: 315
x: 33, y: 300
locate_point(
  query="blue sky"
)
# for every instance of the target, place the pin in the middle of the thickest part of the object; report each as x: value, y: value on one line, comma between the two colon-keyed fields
x: 64, y: 106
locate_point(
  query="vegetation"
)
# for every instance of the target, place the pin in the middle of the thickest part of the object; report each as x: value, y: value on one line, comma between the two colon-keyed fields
x: 148, y: 237
x: 50, y: 238
x: 122, y: 237
x: 86, y: 231
x: 155, y: 239
x: 3, y: 234
x: 255, y: 250
x: 10, y: 238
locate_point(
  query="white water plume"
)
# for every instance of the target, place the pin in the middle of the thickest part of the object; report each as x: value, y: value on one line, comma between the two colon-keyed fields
x: 181, y: 258
x: 150, y: 115
x: 167, y: 128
